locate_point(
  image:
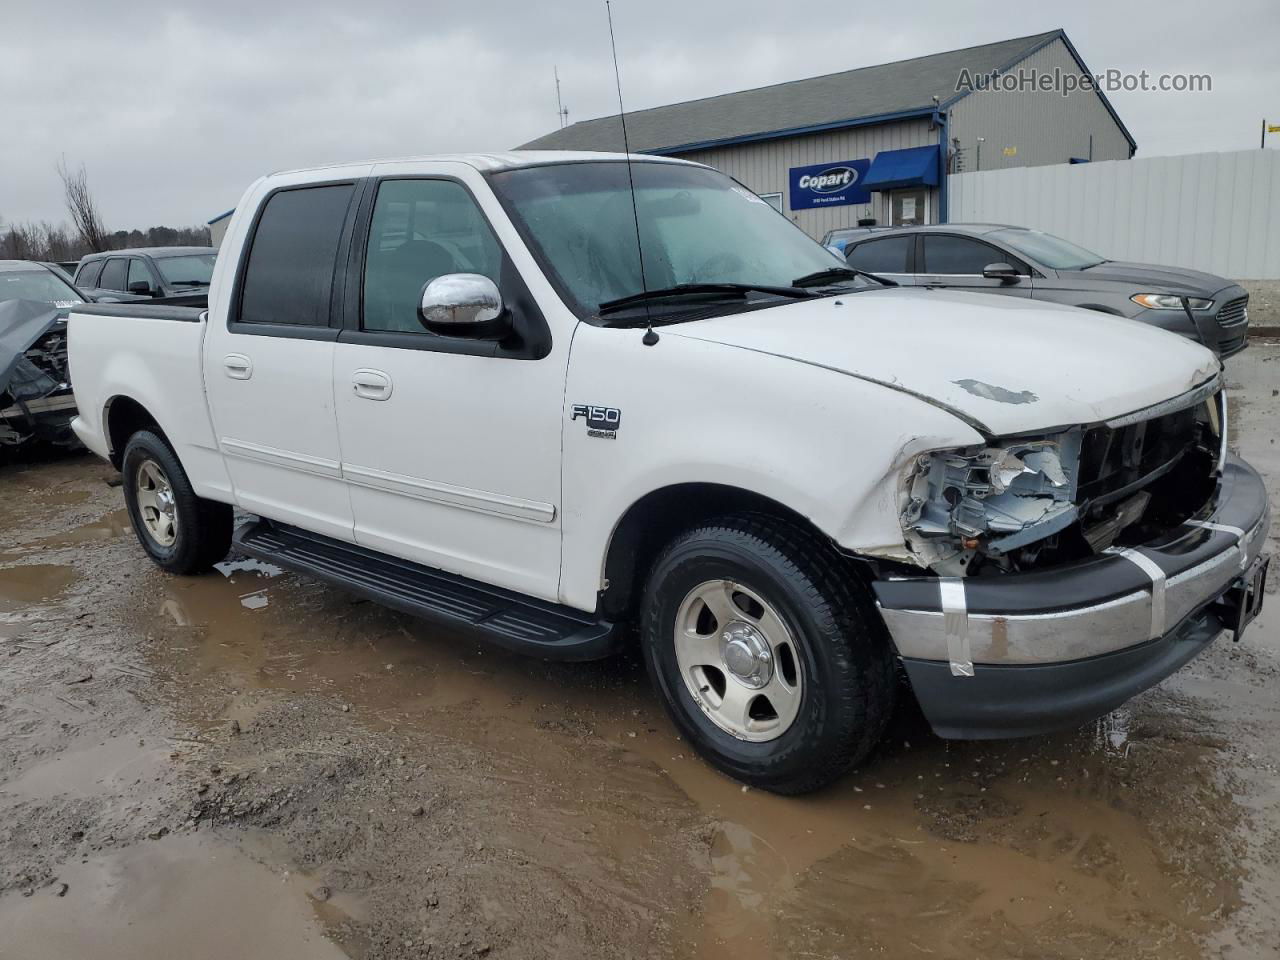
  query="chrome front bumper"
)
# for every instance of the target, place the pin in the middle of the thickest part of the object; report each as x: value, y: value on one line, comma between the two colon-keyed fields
x: 1098, y: 606
x: 1025, y: 653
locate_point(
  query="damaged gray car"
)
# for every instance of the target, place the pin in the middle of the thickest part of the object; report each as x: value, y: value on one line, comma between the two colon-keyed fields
x: 36, y: 403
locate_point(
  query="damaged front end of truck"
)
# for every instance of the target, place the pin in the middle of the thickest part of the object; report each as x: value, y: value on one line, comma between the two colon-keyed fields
x: 36, y: 402
x: 1022, y: 503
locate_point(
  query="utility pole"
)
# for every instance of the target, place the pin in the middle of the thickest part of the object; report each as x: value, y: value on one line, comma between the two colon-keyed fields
x: 978, y: 153
x: 561, y: 113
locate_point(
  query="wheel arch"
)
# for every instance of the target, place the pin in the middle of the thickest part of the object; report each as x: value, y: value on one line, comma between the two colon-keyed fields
x: 122, y: 417
x: 652, y: 521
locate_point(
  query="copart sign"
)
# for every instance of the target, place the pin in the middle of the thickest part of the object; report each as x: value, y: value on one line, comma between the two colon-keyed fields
x: 829, y: 184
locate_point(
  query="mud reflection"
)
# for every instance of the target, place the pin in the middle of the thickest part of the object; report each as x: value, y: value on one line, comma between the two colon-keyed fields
x: 184, y: 896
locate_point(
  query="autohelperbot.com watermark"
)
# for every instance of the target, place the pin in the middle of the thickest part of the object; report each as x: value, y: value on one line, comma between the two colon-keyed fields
x: 1065, y: 82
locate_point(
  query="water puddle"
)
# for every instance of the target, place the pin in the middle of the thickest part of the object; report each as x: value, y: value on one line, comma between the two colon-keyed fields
x: 24, y: 586
x: 109, y: 766
x: 1057, y: 846
x: 184, y: 896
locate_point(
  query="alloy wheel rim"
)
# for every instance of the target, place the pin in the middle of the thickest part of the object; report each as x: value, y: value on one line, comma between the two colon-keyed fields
x: 156, y: 504
x: 738, y: 660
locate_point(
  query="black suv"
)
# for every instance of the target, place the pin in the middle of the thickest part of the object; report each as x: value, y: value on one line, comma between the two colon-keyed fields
x: 174, y: 275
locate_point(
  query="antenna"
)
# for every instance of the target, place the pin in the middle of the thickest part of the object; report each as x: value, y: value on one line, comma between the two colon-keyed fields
x: 561, y: 112
x: 650, y: 337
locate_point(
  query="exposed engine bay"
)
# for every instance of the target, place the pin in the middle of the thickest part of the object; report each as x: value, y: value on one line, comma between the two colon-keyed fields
x: 36, y: 402
x: 1028, y: 502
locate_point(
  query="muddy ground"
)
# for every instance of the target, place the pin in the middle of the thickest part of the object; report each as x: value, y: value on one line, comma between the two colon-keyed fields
x: 249, y: 764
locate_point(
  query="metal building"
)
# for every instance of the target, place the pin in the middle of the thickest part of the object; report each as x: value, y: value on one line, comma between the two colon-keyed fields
x: 218, y: 227
x: 876, y: 143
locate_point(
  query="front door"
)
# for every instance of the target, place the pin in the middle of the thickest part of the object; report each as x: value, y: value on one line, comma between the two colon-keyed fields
x: 958, y: 262
x: 269, y: 368
x: 451, y: 447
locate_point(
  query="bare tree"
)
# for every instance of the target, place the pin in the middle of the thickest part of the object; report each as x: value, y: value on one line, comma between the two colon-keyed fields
x: 82, y: 207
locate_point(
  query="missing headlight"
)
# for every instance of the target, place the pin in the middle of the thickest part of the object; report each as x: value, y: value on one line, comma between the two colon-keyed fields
x: 995, y: 499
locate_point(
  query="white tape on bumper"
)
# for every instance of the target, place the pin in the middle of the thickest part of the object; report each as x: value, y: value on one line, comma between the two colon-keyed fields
x: 955, y: 622
x: 1152, y: 570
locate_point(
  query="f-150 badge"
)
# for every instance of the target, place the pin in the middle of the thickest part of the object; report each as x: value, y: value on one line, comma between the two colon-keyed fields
x: 602, y: 422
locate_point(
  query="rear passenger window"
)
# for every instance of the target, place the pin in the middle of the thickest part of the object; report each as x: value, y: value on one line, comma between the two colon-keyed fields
x: 882, y: 256
x: 958, y: 255
x: 87, y: 275
x: 113, y: 275
x: 289, y: 275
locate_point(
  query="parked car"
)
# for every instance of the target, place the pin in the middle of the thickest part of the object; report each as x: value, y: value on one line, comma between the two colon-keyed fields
x: 32, y: 280
x: 838, y: 240
x: 176, y: 275
x: 1018, y: 262
x: 443, y: 384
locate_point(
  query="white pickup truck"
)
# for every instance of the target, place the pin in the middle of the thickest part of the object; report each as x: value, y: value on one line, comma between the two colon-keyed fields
x: 458, y: 385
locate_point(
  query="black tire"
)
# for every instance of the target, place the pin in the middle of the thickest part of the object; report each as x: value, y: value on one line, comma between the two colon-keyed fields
x: 202, y: 532
x: 845, y: 653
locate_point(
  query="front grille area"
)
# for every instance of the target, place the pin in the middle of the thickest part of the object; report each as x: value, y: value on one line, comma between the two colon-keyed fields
x: 1233, y: 312
x: 1231, y: 344
x: 1116, y: 460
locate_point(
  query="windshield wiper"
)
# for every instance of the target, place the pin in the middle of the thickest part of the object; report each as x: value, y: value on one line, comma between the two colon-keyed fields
x: 821, y: 278
x: 699, y: 291
x: 190, y: 283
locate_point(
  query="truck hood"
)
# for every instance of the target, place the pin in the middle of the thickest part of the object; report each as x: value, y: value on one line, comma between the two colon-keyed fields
x: 1001, y: 364
x: 1153, y: 279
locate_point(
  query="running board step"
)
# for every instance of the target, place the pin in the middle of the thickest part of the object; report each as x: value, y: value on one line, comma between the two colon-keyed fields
x: 523, y: 624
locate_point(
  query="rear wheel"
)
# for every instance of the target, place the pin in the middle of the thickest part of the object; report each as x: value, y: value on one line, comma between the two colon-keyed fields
x: 768, y: 653
x: 181, y: 532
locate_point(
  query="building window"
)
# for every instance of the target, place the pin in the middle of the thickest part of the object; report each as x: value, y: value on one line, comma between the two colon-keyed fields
x: 908, y: 208
x: 773, y: 199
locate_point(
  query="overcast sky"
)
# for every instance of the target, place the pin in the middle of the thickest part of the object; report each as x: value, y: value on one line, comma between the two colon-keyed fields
x: 175, y: 107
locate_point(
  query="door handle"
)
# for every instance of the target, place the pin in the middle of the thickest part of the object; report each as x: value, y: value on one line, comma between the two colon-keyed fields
x: 238, y: 366
x: 371, y: 384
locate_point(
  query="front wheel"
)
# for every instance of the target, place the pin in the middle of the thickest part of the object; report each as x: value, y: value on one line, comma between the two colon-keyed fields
x: 767, y: 652
x: 181, y: 532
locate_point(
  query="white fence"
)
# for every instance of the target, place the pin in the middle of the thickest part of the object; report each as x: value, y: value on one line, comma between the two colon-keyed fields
x: 1218, y: 212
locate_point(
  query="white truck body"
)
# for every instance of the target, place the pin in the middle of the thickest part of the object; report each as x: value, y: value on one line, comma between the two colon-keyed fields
x: 498, y: 470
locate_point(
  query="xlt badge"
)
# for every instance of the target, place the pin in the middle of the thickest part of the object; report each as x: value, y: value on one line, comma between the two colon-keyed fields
x: 602, y: 422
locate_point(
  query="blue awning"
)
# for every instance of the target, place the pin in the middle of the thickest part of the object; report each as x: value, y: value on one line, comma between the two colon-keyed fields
x: 913, y: 167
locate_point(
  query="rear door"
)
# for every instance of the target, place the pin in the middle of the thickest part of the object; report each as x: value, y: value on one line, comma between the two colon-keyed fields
x: 114, y: 276
x: 888, y: 257
x: 88, y: 273
x: 269, y: 360
x: 957, y: 262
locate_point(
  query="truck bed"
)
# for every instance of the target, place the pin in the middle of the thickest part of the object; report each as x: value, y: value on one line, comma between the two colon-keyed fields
x: 143, y: 311
x: 150, y: 355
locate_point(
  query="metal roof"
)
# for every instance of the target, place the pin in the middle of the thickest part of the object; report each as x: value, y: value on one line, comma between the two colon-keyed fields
x: 850, y: 98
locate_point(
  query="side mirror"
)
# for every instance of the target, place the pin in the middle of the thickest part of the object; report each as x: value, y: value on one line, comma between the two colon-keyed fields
x: 1003, y: 272
x: 142, y: 288
x: 464, y: 305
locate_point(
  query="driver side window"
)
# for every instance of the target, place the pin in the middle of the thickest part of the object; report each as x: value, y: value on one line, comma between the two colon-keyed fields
x: 420, y: 230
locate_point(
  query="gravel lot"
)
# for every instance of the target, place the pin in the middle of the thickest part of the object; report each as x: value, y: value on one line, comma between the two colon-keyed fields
x: 250, y: 764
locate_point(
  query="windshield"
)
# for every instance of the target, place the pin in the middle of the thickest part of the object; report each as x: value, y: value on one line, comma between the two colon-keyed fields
x: 37, y: 284
x: 698, y: 227
x: 1046, y: 249
x: 195, y: 270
